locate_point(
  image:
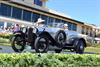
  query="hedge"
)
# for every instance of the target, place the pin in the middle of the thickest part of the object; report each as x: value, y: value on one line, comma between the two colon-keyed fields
x: 49, y: 60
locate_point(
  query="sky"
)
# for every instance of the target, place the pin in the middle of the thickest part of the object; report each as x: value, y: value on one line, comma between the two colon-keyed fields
x: 87, y: 11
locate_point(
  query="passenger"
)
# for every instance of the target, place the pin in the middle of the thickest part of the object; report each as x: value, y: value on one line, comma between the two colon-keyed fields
x: 65, y: 27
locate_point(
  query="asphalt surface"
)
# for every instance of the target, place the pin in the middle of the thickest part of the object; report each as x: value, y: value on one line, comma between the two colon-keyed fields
x: 8, y: 49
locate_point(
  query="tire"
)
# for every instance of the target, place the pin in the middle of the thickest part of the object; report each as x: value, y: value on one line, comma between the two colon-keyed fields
x: 80, y: 46
x: 58, y: 50
x: 18, y: 45
x: 60, y: 37
x: 41, y: 46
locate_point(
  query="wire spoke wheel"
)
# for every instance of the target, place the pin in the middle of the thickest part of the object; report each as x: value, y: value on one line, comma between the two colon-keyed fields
x: 18, y: 44
x: 80, y: 47
x: 61, y: 38
x: 41, y: 44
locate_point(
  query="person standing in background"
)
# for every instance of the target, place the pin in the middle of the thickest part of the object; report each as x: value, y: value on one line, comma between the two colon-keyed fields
x: 16, y: 28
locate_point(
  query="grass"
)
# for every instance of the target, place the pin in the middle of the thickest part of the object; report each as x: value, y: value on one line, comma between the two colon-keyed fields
x: 92, y: 49
x: 4, y: 42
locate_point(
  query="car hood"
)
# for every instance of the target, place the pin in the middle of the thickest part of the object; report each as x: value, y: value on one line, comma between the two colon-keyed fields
x: 72, y: 33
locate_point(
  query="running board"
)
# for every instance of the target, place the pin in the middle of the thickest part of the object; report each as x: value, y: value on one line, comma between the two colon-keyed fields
x: 68, y: 47
x: 53, y: 47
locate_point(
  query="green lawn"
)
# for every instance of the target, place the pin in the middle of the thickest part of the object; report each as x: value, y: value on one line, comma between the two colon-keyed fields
x: 5, y: 42
x: 93, y: 49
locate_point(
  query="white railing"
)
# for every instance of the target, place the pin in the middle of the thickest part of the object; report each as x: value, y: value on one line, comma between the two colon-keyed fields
x: 11, y: 20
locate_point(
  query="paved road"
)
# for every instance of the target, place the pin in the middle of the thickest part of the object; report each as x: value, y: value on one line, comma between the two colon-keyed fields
x: 8, y: 49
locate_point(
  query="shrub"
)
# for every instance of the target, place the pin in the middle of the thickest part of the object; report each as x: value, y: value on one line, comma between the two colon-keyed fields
x: 49, y: 60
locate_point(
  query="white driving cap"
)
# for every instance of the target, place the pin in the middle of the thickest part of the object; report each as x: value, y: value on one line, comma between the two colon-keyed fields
x: 65, y: 24
x: 40, y: 20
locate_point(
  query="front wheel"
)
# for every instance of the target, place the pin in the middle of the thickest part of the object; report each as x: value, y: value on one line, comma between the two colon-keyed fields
x: 18, y: 44
x: 80, y: 47
x: 41, y: 44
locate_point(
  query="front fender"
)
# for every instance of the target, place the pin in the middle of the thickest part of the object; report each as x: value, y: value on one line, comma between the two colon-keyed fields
x: 19, y: 33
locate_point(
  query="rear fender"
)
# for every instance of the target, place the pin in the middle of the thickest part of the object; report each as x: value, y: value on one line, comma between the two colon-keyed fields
x: 75, y: 39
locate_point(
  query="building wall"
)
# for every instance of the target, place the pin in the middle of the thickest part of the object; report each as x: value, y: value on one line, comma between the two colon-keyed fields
x: 27, y: 15
x: 31, y: 15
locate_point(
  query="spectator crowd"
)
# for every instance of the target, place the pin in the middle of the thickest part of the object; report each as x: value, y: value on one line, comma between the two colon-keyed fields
x: 11, y: 29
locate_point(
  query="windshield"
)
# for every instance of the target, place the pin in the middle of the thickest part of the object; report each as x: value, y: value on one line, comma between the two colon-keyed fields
x: 57, y: 25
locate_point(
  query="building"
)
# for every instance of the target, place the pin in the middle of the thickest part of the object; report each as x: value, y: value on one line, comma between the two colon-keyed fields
x: 28, y: 11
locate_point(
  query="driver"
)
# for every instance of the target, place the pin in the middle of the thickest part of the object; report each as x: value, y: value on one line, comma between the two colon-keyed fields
x: 40, y: 22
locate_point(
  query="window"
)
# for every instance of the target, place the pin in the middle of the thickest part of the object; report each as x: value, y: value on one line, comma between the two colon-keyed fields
x: 50, y: 21
x: 1, y: 23
x: 74, y: 27
x: 87, y: 31
x: 62, y: 21
x: 35, y: 17
x: 57, y: 20
x: 26, y: 15
x: 69, y: 26
x: 83, y: 32
x: 16, y: 13
x: 45, y: 18
x: 5, y: 10
x: 38, y: 2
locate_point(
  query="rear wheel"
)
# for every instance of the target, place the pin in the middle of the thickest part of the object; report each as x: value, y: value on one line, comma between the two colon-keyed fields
x: 60, y: 37
x: 80, y: 46
x: 41, y: 44
x: 18, y: 44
